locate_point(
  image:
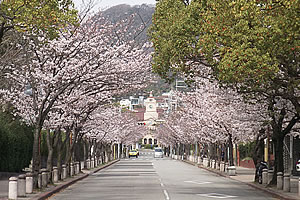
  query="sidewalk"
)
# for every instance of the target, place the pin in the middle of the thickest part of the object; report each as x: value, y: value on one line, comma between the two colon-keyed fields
x: 52, y: 188
x: 246, y: 175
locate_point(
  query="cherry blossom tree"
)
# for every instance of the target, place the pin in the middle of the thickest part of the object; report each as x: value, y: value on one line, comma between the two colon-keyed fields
x: 210, y: 114
x: 80, y: 63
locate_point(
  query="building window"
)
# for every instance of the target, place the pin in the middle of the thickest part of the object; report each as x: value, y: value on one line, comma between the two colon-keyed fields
x: 145, y: 141
x: 155, y: 141
x: 150, y: 141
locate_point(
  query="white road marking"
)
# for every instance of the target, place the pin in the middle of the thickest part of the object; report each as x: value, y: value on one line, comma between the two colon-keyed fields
x: 167, y: 195
x: 217, y: 196
x: 196, y: 182
x: 162, y: 185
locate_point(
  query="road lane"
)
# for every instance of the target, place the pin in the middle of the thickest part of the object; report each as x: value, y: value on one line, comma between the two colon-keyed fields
x: 128, y: 179
x: 184, y: 181
x: 149, y: 178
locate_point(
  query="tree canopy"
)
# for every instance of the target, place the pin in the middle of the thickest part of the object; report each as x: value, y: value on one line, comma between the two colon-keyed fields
x: 36, y: 16
x: 252, y: 46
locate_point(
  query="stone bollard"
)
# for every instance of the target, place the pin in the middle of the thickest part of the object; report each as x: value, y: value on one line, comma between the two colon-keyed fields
x: 218, y: 165
x: 286, y: 182
x: 265, y: 176
x: 92, y: 163
x: 279, y: 181
x: 29, y: 183
x: 231, y: 170
x: 88, y: 164
x: 294, y: 185
x: 222, y: 166
x: 40, y: 185
x: 198, y: 160
x: 76, y: 171
x: 78, y: 167
x: 270, y: 175
x: 213, y: 163
x: 71, y: 169
x: 44, y: 177
x: 81, y: 165
x: 55, y: 175
x: 299, y: 187
x: 226, y: 167
x: 64, y: 172
x: 22, y: 185
x: 13, y: 188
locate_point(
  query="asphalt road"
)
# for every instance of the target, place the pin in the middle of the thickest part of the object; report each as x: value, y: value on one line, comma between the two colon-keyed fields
x: 146, y: 178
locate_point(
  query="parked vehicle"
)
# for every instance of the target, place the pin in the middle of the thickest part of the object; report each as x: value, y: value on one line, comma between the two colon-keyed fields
x: 259, y: 170
x: 298, y: 166
x: 158, y: 152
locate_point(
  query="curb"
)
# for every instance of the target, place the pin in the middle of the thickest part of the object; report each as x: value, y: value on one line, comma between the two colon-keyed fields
x: 271, y: 192
x: 253, y: 185
x: 57, y: 189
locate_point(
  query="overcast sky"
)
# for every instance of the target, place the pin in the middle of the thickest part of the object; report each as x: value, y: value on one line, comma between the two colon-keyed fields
x: 103, y: 4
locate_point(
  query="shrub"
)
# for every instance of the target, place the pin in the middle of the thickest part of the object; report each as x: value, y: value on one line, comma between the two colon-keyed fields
x: 16, y: 140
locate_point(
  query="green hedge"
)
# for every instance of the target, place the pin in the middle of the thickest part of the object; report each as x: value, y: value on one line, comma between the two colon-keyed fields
x: 16, y: 141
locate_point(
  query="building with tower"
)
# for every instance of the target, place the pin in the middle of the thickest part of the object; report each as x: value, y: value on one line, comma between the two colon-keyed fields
x: 150, y: 119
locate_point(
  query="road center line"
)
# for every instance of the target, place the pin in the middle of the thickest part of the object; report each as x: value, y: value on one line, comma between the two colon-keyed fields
x: 167, y: 195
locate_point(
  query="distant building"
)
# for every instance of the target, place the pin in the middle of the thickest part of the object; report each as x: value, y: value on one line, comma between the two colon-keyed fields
x: 125, y: 103
x: 151, y: 112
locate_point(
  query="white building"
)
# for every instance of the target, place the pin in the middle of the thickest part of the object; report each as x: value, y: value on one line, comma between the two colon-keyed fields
x: 125, y: 103
x: 150, y: 118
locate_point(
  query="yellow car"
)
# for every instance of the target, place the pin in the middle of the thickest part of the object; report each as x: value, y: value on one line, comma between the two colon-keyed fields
x: 134, y: 153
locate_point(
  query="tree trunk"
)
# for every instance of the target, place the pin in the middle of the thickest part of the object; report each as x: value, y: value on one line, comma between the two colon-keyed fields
x: 230, y: 145
x: 258, y: 151
x: 50, y: 151
x: 219, y: 152
x: 36, y: 155
x: 84, y: 151
x: 59, y: 148
x: 278, y: 163
x: 59, y: 157
x: 67, y: 145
